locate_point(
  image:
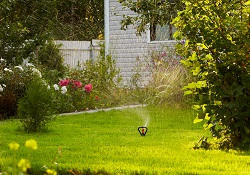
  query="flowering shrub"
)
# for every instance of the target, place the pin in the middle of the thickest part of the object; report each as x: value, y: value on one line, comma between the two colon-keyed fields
x: 71, y: 95
x: 64, y: 82
x: 88, y: 88
x: 13, y: 82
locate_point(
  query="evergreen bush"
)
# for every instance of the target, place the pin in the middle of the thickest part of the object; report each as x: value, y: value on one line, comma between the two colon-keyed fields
x: 36, y: 108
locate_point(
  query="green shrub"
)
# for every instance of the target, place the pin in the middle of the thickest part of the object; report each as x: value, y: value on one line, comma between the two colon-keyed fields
x: 36, y: 107
x: 102, y: 73
x: 50, y: 62
x: 217, y: 54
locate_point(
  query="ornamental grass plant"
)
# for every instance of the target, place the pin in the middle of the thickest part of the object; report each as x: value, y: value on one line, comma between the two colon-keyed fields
x: 163, y: 85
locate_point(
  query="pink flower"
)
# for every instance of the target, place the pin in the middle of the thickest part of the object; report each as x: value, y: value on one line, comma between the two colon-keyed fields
x: 77, y: 84
x: 64, y: 82
x: 88, y: 87
x: 163, y: 54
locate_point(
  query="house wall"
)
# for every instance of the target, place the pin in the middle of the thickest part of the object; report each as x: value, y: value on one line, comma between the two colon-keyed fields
x: 124, y: 45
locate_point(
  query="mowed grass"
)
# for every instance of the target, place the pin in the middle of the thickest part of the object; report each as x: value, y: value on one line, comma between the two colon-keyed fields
x: 110, y: 141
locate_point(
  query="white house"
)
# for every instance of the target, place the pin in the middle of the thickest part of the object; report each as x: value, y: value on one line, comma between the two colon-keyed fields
x: 124, y: 45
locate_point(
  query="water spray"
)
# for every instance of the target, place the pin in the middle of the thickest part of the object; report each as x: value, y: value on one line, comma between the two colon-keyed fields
x: 144, y: 115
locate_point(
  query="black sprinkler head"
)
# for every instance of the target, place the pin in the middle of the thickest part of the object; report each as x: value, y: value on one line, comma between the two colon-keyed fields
x: 142, y: 130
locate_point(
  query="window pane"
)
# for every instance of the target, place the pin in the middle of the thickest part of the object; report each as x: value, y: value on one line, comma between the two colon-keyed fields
x: 164, y: 33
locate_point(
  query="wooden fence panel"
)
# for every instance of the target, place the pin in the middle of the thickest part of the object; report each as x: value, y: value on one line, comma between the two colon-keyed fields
x: 77, y: 52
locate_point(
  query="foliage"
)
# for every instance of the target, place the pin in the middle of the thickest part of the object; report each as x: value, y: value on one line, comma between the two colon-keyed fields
x: 78, y: 20
x: 103, y: 74
x: 50, y: 62
x: 18, y: 37
x: 217, y: 52
x: 71, y: 95
x: 13, y: 80
x: 64, y: 20
x: 36, y: 107
x: 168, y: 79
x: 165, y: 80
x: 25, y: 37
x: 150, y: 12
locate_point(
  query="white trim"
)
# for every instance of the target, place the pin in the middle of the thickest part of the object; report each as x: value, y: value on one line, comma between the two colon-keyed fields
x: 168, y: 41
x: 106, y: 26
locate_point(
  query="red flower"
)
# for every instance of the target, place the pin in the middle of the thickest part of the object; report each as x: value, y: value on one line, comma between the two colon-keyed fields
x: 64, y: 82
x: 88, y: 87
x: 77, y: 84
x: 96, y: 98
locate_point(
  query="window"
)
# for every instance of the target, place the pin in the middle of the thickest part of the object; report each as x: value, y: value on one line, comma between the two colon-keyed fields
x: 162, y: 33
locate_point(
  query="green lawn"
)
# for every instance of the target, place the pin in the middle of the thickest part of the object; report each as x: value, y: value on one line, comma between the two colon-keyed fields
x: 110, y: 141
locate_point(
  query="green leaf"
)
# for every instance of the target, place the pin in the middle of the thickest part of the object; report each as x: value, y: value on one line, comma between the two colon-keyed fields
x: 247, y: 3
x: 186, y: 63
x: 209, y: 57
x: 207, y: 116
x: 207, y: 126
x: 196, y: 71
x: 210, y: 126
x: 177, y: 35
x: 188, y: 92
x: 201, y: 46
x: 190, y: 86
x: 204, y: 107
x: 218, y: 103
x: 193, y: 57
x: 197, y: 120
x: 201, y: 84
x: 196, y: 107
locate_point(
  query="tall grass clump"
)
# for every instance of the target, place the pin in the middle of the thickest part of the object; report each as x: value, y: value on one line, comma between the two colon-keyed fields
x: 164, y: 81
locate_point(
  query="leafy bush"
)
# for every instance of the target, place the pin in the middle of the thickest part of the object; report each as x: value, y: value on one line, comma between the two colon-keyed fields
x: 36, y: 107
x: 217, y: 53
x: 50, y: 62
x: 13, y: 80
x: 71, y: 95
x: 102, y: 73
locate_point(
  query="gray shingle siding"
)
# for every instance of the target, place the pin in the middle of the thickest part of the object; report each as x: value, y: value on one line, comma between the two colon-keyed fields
x: 124, y: 45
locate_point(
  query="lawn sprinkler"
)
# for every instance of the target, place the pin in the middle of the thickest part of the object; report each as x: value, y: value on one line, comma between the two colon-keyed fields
x: 142, y: 130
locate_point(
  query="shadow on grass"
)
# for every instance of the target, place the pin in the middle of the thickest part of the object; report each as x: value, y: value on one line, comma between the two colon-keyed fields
x: 103, y: 172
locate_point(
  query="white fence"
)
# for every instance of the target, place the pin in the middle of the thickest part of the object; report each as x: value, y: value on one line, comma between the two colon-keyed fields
x: 77, y: 52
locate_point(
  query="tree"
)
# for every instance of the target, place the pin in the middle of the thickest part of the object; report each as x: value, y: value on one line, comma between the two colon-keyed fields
x: 22, y: 29
x: 217, y: 53
x: 150, y: 13
x: 26, y: 25
x: 78, y: 19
